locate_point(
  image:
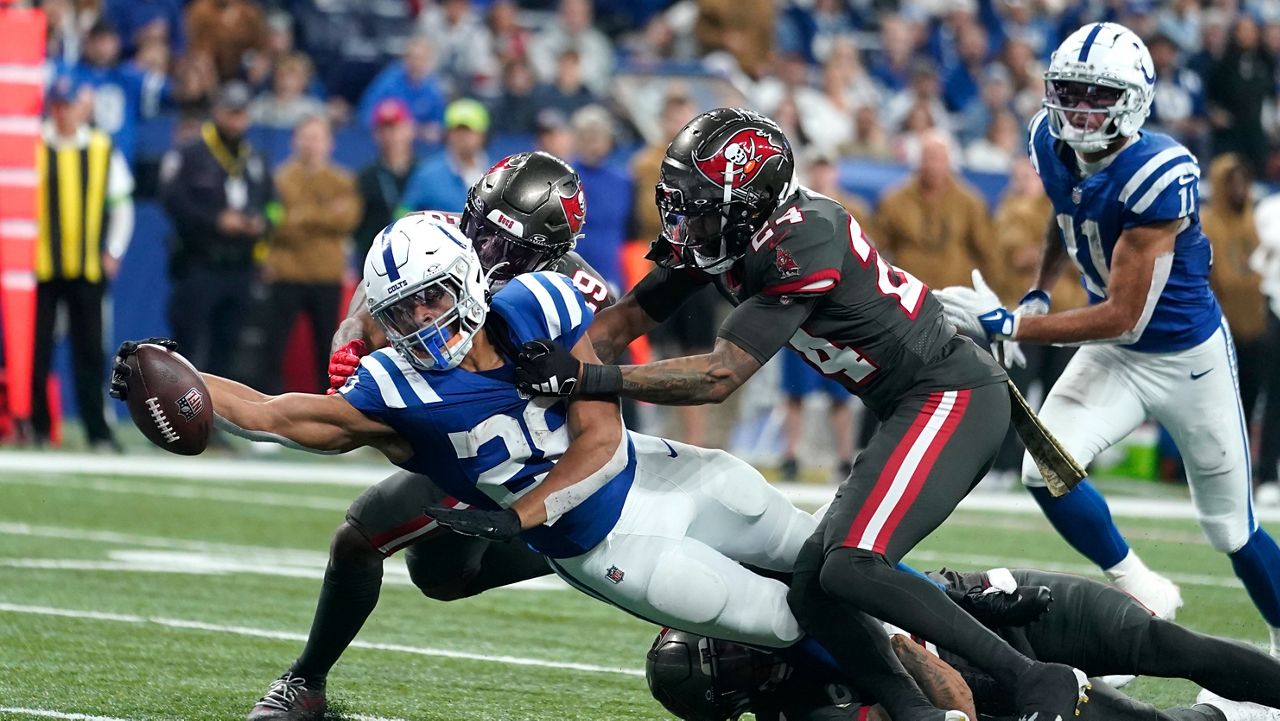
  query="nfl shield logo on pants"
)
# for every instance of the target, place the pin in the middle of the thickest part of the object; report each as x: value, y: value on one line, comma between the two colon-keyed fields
x: 614, y: 574
x: 1076, y: 194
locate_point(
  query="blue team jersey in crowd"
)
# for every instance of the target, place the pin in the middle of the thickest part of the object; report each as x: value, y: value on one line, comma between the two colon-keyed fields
x: 1152, y: 180
x: 122, y: 96
x: 476, y: 436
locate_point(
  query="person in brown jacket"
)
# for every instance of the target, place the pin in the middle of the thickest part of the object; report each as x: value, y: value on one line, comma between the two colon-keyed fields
x: 1228, y: 222
x: 1017, y: 239
x: 224, y: 30
x: 935, y: 225
x: 319, y: 206
x: 743, y: 28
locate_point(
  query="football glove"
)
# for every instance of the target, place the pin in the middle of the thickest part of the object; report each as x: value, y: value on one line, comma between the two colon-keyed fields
x: 546, y: 368
x: 1035, y: 302
x: 120, y: 370
x: 501, y: 525
x: 977, y: 311
x: 344, y: 362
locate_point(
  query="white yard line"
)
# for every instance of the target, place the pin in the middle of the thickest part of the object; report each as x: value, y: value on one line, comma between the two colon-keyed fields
x: 45, y: 713
x: 183, y: 492
x: 972, y: 561
x: 190, y: 625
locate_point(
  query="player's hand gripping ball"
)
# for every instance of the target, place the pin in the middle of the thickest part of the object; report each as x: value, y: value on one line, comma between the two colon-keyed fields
x: 166, y: 396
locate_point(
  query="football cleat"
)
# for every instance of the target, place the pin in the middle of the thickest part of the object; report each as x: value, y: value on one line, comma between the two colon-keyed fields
x: 1051, y: 692
x: 1152, y: 590
x: 1237, y: 710
x: 290, y: 698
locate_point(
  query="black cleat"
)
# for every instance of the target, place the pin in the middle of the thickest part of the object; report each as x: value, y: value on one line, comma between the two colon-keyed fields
x: 290, y: 698
x: 1051, y: 692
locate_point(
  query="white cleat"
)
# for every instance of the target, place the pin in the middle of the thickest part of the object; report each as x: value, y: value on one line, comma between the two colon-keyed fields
x: 1267, y: 495
x: 1237, y: 710
x: 1118, y: 680
x: 1152, y: 590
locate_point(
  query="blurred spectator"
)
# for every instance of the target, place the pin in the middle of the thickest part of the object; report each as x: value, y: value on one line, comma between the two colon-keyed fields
x: 510, y: 41
x: 84, y: 227
x: 945, y: 35
x: 918, y: 124
x: 892, y: 65
x: 934, y: 226
x: 287, y: 103
x: 925, y: 90
x: 1018, y: 234
x: 963, y: 78
x: 822, y: 175
x: 464, y: 47
x: 1266, y: 262
x: 382, y: 183
x: 811, y: 31
x: 995, y: 97
x: 554, y: 135
x: 742, y: 28
x: 141, y: 21
x: 516, y: 109
x: 1024, y: 20
x: 845, y: 80
x: 1228, y: 222
x: 798, y: 380
x: 568, y: 92
x: 1240, y: 85
x: 1178, y: 107
x: 441, y: 181
x: 870, y: 139
x: 413, y: 80
x: 306, y: 256
x: 122, y: 95
x: 66, y: 25
x: 1026, y: 75
x: 226, y: 31
x: 608, y: 192
x: 1180, y: 22
x: 1215, y: 35
x: 573, y: 32
x: 995, y: 152
x: 152, y: 57
x: 215, y: 188
x: 677, y: 109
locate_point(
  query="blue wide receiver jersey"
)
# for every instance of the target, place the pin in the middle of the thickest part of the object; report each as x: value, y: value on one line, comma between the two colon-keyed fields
x: 476, y: 436
x: 1152, y: 180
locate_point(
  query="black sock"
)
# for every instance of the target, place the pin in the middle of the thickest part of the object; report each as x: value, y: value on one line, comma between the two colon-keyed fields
x: 347, y: 598
x: 1230, y: 669
x: 867, y: 581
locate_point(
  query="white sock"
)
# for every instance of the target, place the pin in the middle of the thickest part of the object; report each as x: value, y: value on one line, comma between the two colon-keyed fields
x: 1128, y: 566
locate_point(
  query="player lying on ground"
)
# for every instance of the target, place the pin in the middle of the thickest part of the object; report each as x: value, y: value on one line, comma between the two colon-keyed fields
x: 801, y: 273
x: 1127, y: 215
x: 1088, y: 625
x: 654, y: 527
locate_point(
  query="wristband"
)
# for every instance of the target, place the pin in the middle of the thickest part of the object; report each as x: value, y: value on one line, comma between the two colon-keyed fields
x: 600, y: 380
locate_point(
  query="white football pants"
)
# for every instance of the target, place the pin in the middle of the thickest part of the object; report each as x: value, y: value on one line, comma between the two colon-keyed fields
x: 691, y: 517
x: 1106, y: 392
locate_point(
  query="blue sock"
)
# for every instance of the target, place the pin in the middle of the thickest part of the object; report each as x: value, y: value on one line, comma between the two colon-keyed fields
x: 1082, y: 519
x: 919, y: 574
x: 809, y: 655
x: 1257, y: 563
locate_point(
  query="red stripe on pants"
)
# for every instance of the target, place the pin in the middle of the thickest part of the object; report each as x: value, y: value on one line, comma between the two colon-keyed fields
x: 885, y: 481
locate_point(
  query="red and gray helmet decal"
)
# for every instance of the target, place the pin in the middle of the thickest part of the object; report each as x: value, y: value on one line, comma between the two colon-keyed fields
x: 575, y: 209
x: 739, y: 159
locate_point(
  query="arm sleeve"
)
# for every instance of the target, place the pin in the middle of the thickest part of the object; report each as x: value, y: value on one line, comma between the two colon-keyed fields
x: 543, y: 305
x: 763, y: 324
x: 1165, y: 188
x: 664, y: 290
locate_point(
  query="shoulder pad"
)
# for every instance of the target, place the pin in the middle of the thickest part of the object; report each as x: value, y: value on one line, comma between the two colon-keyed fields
x: 544, y: 304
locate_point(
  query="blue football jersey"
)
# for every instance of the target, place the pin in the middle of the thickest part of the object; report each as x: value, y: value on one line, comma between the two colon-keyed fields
x: 1152, y: 180
x: 476, y: 436
x: 122, y: 96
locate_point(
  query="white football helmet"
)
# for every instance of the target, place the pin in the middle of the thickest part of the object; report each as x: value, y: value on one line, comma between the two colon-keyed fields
x: 1099, y: 86
x: 427, y: 290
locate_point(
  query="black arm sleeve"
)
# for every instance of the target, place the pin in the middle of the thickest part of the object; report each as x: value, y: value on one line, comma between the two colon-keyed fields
x: 664, y: 290
x: 763, y: 324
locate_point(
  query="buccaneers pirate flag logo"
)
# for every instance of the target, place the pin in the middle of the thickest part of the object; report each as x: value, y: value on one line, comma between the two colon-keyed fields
x: 739, y: 159
x: 575, y: 210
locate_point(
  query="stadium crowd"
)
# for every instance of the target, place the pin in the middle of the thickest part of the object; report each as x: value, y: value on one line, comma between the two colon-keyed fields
x: 420, y: 97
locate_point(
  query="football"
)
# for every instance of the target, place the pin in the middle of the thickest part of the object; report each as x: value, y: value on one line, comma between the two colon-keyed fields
x: 168, y: 400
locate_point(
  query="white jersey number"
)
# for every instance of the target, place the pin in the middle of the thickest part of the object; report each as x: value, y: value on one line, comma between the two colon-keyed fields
x: 891, y: 279
x: 831, y: 360
x: 548, y: 443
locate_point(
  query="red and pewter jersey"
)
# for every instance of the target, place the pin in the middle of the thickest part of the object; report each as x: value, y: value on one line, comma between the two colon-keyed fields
x: 874, y: 328
x: 585, y: 278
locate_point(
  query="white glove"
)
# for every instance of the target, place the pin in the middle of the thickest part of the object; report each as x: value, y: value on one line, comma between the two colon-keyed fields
x: 977, y: 311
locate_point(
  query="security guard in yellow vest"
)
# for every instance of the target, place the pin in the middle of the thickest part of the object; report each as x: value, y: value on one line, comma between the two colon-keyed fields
x: 84, y: 223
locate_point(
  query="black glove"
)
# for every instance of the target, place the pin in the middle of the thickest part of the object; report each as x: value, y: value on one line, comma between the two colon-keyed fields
x: 501, y: 525
x: 998, y: 609
x: 120, y: 370
x: 546, y: 368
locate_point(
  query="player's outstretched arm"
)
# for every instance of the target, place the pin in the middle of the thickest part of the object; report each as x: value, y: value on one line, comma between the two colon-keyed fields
x: 300, y: 420
x: 1140, y: 267
x: 597, y: 452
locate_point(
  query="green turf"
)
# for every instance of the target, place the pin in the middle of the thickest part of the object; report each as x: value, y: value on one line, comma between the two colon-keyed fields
x: 140, y: 668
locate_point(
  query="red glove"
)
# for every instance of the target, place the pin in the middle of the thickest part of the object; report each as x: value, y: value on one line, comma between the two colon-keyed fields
x: 343, y: 364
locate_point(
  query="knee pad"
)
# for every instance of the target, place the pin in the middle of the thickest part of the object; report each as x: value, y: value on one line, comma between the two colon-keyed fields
x: 843, y: 567
x: 451, y: 585
x: 686, y: 589
x: 739, y: 487
x: 1226, y: 533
